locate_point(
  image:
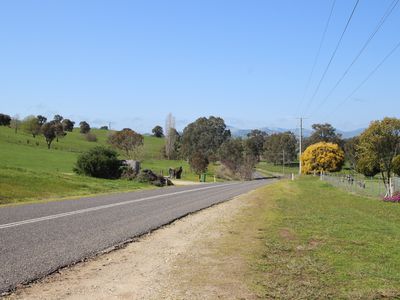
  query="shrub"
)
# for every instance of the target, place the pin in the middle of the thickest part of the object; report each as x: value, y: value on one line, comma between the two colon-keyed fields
x: 322, y: 157
x: 91, y: 137
x: 99, y: 162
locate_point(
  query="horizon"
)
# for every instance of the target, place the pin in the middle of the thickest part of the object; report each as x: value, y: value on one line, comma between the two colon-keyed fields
x: 98, y: 124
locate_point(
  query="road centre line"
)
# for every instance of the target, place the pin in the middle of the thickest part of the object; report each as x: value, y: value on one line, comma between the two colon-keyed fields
x: 86, y: 210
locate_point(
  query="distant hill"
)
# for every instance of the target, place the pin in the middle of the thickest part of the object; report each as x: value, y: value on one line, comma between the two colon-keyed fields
x: 350, y: 134
x: 237, y: 132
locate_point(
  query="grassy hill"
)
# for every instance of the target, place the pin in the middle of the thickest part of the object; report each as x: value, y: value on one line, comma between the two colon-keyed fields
x: 29, y: 171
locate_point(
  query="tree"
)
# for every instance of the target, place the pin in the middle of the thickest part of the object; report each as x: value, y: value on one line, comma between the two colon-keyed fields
x: 350, y: 151
x: 231, y: 154
x: 198, y: 162
x: 322, y: 157
x: 84, y: 127
x: 396, y: 165
x: 104, y: 128
x: 58, y: 126
x: 255, y: 142
x: 59, y: 130
x: 279, y: 147
x: 324, y: 133
x: 380, y: 142
x: 247, y: 168
x: 174, y: 150
x: 127, y: 141
x: 41, y: 119
x: 99, y: 162
x: 367, y: 166
x: 5, y: 120
x: 158, y: 131
x: 15, y: 123
x: 68, y: 125
x: 58, y: 118
x: 49, y: 133
x: 205, y: 135
x: 171, y: 136
x: 31, y: 125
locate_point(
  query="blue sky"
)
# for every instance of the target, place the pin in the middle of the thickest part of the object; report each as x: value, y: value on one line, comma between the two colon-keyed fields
x: 133, y: 62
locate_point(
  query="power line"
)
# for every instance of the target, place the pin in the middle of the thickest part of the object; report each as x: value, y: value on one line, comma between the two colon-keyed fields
x: 390, y: 53
x: 388, y: 12
x: 333, y: 55
x: 317, y: 55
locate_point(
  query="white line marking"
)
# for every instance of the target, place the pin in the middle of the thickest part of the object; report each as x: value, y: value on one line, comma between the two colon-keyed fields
x: 81, y: 211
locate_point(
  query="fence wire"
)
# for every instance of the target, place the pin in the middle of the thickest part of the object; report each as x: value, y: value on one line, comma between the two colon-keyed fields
x: 356, y: 183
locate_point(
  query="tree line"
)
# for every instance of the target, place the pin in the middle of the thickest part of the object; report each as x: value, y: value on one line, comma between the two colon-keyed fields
x: 208, y: 140
x: 375, y: 151
x: 51, y: 130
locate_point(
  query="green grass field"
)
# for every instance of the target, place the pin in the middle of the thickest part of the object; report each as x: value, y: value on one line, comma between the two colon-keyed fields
x: 31, y: 172
x: 319, y: 242
x: 271, y: 169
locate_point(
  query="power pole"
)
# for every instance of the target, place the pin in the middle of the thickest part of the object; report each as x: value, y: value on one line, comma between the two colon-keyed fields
x: 283, y: 162
x: 300, y: 143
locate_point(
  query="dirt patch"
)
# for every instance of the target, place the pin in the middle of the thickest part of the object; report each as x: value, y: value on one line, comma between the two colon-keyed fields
x: 286, y: 234
x: 197, y: 257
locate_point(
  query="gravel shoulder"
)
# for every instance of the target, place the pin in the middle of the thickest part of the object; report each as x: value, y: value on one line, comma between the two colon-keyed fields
x: 201, y: 256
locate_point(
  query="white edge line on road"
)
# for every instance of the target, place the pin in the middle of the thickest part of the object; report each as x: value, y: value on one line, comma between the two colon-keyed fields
x: 81, y: 211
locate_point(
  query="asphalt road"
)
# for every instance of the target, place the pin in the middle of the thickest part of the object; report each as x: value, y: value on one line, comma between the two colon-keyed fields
x: 38, y: 239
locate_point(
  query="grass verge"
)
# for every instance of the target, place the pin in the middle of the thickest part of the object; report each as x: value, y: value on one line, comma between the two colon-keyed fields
x: 271, y: 169
x: 305, y: 239
x: 19, y: 185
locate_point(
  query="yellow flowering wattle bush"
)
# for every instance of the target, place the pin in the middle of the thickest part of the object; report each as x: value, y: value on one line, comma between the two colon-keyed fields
x: 322, y: 157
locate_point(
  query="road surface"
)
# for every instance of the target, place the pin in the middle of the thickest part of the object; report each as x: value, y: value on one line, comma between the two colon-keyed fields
x: 38, y: 239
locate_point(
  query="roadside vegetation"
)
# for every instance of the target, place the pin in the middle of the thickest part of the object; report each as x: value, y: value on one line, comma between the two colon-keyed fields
x: 313, y: 241
x: 205, y: 150
x: 42, y: 159
x: 29, y: 171
x: 271, y: 169
x: 321, y: 242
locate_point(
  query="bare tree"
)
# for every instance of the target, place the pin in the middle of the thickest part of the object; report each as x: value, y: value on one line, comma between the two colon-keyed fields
x: 170, y: 135
x: 15, y: 123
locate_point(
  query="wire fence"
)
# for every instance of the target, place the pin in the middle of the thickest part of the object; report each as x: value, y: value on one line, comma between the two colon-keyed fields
x: 358, y: 184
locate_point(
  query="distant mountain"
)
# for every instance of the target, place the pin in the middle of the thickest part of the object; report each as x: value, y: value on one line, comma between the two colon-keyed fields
x: 350, y: 134
x: 237, y: 132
